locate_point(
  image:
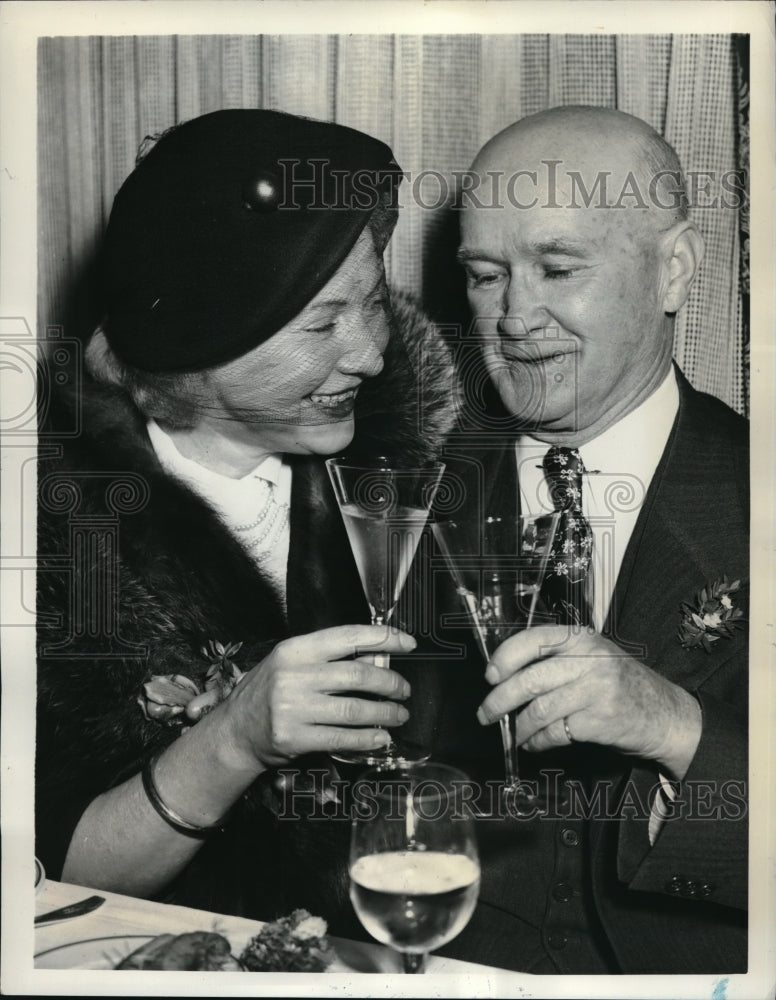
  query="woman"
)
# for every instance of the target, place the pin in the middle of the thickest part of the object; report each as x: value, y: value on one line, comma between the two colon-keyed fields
x: 246, y: 312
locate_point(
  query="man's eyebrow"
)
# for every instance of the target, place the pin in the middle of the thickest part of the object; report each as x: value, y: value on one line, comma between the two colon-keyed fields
x: 472, y: 253
x: 568, y: 248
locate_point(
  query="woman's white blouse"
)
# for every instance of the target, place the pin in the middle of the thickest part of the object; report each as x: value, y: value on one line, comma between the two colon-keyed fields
x: 254, y: 508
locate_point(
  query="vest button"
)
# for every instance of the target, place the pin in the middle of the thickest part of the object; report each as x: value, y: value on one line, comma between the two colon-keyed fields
x: 562, y: 892
x: 557, y: 940
x: 569, y: 837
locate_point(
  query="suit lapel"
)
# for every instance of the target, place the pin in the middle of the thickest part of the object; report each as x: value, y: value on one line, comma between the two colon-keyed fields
x: 677, y: 546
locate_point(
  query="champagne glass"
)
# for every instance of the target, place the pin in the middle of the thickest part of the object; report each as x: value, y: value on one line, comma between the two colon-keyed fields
x: 385, y: 508
x: 498, y: 565
x: 414, y: 869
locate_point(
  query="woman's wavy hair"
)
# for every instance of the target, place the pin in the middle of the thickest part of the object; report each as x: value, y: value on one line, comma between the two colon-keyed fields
x: 172, y: 398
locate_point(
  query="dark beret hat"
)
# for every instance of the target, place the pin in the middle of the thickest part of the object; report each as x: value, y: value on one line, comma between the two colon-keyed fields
x: 228, y: 227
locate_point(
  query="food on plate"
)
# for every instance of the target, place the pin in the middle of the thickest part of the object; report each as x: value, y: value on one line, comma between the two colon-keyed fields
x: 199, y: 950
x: 296, y: 943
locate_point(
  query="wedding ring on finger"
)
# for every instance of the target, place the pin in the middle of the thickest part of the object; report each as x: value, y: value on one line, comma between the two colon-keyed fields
x: 569, y: 737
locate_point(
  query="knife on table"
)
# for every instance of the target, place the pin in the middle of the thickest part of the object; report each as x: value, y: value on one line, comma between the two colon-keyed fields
x: 73, y: 910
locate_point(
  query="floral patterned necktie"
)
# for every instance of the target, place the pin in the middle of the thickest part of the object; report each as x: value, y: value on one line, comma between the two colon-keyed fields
x: 566, y: 587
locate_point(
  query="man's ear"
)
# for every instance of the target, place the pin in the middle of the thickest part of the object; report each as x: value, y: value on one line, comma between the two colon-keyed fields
x: 684, y: 248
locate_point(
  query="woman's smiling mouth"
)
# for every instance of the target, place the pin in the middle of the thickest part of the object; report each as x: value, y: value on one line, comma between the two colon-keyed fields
x: 335, y: 403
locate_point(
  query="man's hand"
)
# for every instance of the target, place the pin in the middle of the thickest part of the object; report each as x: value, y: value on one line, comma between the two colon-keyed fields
x: 605, y: 696
x: 304, y: 696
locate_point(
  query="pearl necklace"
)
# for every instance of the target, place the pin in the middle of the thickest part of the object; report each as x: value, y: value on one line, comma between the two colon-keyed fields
x: 271, y: 521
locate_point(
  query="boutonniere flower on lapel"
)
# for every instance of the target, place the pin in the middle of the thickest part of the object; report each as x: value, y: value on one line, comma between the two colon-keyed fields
x: 714, y: 615
x: 173, y: 699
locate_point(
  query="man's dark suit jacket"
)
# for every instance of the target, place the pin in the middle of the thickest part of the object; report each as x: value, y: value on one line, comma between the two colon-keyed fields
x: 678, y: 906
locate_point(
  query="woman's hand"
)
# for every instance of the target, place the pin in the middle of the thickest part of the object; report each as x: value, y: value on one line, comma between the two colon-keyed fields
x: 304, y: 696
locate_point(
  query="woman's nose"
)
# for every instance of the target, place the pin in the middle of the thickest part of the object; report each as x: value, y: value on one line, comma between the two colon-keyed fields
x: 365, y: 344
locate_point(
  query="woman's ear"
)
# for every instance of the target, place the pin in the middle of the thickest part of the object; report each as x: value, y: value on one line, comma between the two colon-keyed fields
x: 684, y: 249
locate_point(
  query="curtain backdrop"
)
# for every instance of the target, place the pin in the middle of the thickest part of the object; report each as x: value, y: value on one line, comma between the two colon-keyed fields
x: 435, y: 99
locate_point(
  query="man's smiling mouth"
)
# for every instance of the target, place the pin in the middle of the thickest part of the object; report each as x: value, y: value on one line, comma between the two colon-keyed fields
x: 532, y: 357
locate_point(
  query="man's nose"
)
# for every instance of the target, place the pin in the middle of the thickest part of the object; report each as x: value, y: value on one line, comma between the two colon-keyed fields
x: 522, y: 310
x: 512, y: 326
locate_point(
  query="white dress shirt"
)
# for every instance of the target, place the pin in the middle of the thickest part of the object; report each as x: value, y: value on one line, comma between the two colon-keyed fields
x: 254, y: 508
x: 619, y: 466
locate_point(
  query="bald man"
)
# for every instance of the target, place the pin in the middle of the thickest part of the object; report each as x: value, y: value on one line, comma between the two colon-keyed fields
x: 632, y: 713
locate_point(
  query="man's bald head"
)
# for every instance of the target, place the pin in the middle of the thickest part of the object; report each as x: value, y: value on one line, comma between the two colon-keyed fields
x: 591, y: 152
x: 576, y: 268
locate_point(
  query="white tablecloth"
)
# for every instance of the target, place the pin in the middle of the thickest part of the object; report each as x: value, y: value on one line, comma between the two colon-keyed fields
x: 124, y: 915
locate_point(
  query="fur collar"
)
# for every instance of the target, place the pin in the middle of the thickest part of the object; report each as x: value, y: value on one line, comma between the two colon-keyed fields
x: 408, y: 410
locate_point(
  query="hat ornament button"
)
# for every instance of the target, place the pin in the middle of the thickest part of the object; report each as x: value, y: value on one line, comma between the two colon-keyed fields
x: 261, y: 192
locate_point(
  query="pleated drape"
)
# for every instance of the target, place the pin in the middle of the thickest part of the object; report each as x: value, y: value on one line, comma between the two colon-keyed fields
x: 434, y: 99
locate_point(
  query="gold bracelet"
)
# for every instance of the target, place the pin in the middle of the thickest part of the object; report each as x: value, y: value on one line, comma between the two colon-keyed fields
x: 168, y: 815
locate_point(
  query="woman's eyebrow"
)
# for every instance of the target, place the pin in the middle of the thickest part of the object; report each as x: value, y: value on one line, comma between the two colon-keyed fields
x: 341, y: 303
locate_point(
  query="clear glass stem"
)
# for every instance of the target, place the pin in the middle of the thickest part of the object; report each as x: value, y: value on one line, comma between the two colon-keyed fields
x: 412, y: 961
x: 518, y: 797
x: 382, y: 660
x: 511, y: 773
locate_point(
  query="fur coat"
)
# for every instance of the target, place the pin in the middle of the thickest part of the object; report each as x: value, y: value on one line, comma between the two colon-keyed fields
x: 136, y: 574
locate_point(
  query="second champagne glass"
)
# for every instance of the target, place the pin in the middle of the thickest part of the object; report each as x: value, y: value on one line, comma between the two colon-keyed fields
x: 498, y: 565
x: 385, y: 508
